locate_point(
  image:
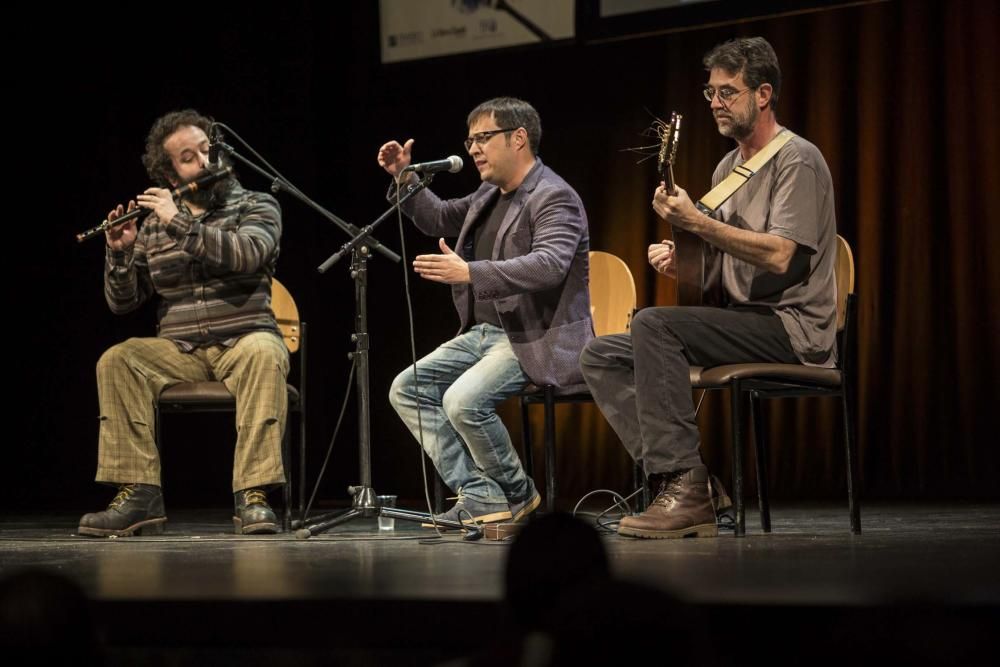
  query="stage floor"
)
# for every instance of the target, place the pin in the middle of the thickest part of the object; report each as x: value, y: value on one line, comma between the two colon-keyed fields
x: 939, y: 553
x: 171, y: 591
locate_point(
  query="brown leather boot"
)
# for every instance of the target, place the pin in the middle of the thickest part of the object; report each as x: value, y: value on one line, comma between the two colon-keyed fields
x: 253, y: 515
x: 682, y: 508
x: 137, y: 509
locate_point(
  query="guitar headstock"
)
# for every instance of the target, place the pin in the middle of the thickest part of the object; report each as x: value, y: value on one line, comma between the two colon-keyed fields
x: 670, y: 134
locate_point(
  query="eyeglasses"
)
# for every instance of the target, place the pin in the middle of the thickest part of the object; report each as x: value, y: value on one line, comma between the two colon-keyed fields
x: 726, y: 94
x: 480, y: 138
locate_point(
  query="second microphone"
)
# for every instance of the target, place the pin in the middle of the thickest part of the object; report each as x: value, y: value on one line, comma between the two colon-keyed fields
x: 452, y: 164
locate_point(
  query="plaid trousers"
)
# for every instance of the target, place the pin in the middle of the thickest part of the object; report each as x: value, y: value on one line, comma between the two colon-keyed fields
x: 132, y: 374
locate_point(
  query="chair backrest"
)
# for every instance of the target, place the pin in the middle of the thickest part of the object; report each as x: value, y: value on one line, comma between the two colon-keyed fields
x: 844, y: 273
x: 287, y: 314
x: 612, y: 293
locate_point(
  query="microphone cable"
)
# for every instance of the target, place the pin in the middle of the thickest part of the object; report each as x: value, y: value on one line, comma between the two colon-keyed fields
x: 413, y: 354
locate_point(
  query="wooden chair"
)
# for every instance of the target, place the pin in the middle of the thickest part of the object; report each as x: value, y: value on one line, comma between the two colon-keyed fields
x: 612, y: 304
x: 792, y: 380
x: 214, y: 397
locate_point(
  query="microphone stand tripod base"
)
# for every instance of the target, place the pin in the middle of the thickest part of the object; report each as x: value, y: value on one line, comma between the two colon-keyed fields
x: 366, y: 506
x: 363, y: 506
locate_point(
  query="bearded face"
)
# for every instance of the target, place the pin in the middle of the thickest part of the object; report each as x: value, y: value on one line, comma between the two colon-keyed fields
x: 738, y: 121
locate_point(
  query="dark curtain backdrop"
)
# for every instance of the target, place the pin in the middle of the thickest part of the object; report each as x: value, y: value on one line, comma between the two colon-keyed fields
x: 901, y: 97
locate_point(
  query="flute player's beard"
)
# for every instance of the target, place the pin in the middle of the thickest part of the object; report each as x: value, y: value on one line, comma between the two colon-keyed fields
x: 210, y: 197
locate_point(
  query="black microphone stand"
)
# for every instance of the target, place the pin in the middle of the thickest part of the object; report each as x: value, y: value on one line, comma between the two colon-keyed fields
x: 364, y: 501
x: 278, y: 183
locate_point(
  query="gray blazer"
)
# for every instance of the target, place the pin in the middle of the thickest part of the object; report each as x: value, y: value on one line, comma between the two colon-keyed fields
x: 538, y: 275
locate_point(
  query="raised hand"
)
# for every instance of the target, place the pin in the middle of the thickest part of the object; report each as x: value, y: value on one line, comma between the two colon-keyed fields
x: 160, y: 201
x: 395, y: 158
x: 122, y: 236
x: 677, y: 209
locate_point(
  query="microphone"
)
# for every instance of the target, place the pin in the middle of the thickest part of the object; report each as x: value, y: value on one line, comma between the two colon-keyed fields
x: 201, y: 182
x: 215, y: 141
x: 452, y: 164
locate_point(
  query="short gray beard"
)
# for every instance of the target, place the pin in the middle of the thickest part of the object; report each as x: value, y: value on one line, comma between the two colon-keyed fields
x: 741, y: 130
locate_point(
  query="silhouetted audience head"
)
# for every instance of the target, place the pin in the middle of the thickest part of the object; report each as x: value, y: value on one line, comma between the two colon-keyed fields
x: 571, y: 611
x: 552, y: 556
x: 44, y: 617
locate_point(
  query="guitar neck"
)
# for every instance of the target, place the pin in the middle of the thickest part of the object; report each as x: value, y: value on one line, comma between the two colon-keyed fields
x: 668, y: 178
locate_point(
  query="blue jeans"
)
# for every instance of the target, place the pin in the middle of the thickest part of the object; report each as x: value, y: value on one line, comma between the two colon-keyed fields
x: 460, y: 384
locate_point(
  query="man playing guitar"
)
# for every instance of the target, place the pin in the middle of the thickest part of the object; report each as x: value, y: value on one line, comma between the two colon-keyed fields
x: 774, y: 227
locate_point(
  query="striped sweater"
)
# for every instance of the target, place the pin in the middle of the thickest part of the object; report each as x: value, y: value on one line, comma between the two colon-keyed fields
x: 212, y: 271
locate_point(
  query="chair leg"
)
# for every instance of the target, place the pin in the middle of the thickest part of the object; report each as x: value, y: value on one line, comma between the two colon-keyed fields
x: 760, y: 448
x: 302, y: 461
x: 157, y: 434
x: 851, y: 454
x: 639, y: 482
x: 550, y: 448
x: 302, y: 423
x: 526, y: 443
x: 286, y: 461
x: 736, y: 413
x: 439, y: 491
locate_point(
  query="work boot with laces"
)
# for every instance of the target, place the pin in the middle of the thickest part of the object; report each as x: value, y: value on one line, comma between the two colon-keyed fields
x: 137, y: 509
x: 253, y: 516
x: 682, y: 508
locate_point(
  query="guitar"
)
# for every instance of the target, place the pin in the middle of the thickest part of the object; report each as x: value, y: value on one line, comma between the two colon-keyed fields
x: 690, y: 264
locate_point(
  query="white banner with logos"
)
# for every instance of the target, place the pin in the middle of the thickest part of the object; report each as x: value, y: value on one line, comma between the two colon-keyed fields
x: 413, y: 29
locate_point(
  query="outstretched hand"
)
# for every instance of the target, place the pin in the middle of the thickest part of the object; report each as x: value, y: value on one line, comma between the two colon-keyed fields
x: 447, y: 267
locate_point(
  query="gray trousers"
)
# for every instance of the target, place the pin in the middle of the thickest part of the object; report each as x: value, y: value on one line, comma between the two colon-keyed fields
x: 641, y: 382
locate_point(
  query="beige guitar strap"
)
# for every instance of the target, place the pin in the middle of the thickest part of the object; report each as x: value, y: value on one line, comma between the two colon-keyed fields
x: 741, y: 173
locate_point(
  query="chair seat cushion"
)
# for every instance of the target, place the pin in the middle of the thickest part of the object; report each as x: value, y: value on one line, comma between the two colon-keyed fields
x: 577, y: 390
x: 581, y: 392
x: 723, y: 375
x: 196, y: 392
x: 207, y: 394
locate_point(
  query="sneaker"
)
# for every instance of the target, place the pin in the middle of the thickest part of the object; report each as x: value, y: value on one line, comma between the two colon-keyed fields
x: 253, y: 515
x: 471, y: 510
x: 136, y: 509
x: 522, y: 511
x: 682, y: 508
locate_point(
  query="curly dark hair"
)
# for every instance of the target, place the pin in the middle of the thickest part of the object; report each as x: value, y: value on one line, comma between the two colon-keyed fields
x: 511, y: 112
x: 155, y: 158
x: 751, y: 56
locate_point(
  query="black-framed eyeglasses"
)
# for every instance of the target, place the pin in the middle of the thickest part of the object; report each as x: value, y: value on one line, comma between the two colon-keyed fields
x: 726, y: 94
x: 480, y: 138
